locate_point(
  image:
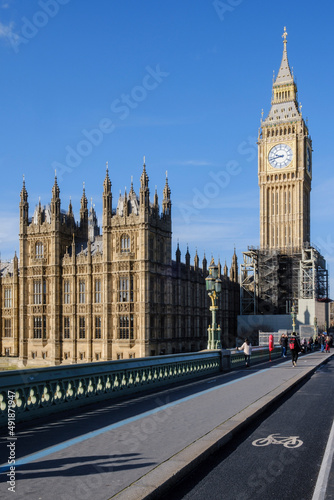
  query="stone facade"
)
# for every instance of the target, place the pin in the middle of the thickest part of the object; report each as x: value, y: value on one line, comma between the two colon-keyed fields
x: 285, y: 167
x: 75, y: 295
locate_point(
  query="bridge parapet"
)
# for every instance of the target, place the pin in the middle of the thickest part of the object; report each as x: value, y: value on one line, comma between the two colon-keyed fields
x: 33, y: 393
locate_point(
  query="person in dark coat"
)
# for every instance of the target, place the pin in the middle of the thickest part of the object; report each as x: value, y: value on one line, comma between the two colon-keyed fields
x: 284, y: 344
x: 295, y: 348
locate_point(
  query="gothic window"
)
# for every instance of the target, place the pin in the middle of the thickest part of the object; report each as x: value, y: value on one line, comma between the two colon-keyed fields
x: 67, y: 292
x: 97, y: 291
x: 8, y: 297
x: 8, y: 327
x: 39, y: 250
x: 37, y: 296
x: 82, y: 327
x: 97, y: 327
x: 126, y: 327
x: 67, y: 324
x: 124, y: 289
x: 39, y: 327
x: 82, y: 292
x: 125, y: 243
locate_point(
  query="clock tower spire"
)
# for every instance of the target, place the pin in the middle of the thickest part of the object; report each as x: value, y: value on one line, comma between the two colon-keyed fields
x: 284, y: 169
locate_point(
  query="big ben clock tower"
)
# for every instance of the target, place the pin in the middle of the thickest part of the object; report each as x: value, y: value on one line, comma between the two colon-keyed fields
x: 285, y: 167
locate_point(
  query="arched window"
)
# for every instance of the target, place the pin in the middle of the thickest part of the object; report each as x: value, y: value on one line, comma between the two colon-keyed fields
x: 39, y: 250
x: 125, y: 243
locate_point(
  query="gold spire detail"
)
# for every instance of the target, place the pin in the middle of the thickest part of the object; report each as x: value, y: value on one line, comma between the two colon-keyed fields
x: 285, y: 34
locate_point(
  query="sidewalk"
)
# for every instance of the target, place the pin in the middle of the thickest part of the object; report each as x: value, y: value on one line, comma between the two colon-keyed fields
x: 136, y: 449
x: 279, y: 380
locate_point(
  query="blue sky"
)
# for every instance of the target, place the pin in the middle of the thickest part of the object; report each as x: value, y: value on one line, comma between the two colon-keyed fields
x: 182, y: 83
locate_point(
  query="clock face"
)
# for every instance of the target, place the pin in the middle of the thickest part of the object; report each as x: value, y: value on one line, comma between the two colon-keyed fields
x: 280, y: 156
x: 309, y: 160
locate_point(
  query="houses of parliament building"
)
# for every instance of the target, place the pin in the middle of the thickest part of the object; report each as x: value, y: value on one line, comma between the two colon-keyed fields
x: 75, y: 295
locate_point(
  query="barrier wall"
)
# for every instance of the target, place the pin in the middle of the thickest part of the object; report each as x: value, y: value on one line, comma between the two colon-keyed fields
x: 32, y: 393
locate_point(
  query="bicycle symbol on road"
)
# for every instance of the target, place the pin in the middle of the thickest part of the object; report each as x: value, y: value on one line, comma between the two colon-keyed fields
x: 287, y: 442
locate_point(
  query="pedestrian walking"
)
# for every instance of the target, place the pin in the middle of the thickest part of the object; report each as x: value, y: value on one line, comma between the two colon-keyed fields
x: 295, y: 348
x: 284, y: 344
x: 247, y: 348
x: 328, y: 343
x: 310, y: 344
x: 322, y: 342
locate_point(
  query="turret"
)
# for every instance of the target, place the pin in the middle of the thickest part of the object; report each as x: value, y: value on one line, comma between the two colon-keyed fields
x: 144, y: 192
x: 166, y: 202
x: 84, y: 213
x: 93, y: 228
x: 205, y: 265
x: 107, y: 199
x: 24, y: 206
x: 125, y: 204
x: 187, y: 257
x: 178, y: 254
x: 55, y: 201
x: 70, y: 215
x: 234, y: 268
x: 196, y: 261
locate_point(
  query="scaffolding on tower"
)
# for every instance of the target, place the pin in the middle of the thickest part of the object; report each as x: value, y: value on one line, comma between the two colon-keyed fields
x: 273, y: 279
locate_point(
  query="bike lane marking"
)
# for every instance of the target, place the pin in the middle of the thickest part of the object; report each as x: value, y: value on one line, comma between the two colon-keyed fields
x: 286, y: 441
x: 321, y: 485
x: 89, y: 435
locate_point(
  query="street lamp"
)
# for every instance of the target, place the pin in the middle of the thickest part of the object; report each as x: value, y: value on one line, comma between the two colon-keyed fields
x: 214, y: 287
x: 293, y: 316
x: 315, y: 335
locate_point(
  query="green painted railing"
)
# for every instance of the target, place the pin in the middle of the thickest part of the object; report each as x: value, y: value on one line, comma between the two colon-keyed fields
x: 258, y: 354
x: 32, y: 393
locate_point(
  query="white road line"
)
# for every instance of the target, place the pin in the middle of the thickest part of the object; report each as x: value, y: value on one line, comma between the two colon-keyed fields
x: 320, y: 487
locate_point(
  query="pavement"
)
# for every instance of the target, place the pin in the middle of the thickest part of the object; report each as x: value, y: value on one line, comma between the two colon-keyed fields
x: 139, y: 448
x: 256, y: 392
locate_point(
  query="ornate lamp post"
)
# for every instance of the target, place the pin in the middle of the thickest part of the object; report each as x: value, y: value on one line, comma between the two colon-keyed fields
x: 293, y: 316
x: 213, y: 287
x: 315, y: 335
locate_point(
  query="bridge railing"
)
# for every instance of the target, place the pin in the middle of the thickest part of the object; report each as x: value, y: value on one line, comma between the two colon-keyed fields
x: 32, y: 393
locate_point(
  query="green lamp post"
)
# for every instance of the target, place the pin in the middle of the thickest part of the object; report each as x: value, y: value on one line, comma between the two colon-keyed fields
x: 315, y: 335
x: 293, y: 316
x: 214, y: 287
